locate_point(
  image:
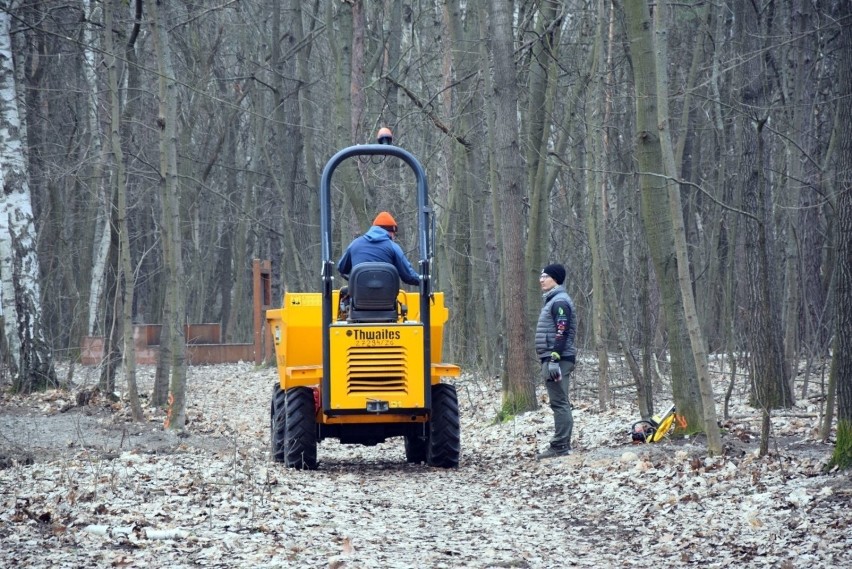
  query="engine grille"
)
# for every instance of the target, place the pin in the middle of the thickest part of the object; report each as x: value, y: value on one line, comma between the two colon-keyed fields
x: 372, y: 369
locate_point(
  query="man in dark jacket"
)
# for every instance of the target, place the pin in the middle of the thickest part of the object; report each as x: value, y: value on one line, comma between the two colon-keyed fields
x: 554, y: 347
x: 378, y: 245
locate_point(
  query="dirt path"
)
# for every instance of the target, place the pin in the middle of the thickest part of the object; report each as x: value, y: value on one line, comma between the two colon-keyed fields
x: 103, y: 492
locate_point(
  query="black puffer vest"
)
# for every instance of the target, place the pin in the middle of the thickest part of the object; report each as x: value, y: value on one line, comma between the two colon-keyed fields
x: 545, y: 330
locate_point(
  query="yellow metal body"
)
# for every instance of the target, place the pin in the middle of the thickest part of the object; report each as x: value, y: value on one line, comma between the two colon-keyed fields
x: 664, y: 424
x: 663, y: 429
x: 368, y: 362
x: 378, y: 362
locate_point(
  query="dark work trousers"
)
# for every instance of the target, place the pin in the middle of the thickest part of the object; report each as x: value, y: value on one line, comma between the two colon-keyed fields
x: 557, y: 392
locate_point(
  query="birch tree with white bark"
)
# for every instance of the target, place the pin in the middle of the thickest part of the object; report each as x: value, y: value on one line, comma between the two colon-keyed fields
x: 100, y: 247
x: 24, y: 349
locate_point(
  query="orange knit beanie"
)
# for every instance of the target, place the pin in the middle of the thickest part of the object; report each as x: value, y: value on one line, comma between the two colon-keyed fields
x: 384, y: 219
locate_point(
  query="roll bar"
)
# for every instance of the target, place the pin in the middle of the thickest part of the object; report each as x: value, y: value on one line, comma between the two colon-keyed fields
x: 424, y: 222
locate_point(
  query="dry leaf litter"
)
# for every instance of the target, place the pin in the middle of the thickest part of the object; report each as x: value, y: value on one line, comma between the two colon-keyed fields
x: 83, y: 486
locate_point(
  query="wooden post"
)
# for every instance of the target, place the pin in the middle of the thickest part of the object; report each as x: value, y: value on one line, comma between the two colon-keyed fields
x: 262, y: 294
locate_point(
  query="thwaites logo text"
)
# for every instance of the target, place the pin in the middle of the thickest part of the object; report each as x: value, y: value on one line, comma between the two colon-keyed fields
x: 383, y: 334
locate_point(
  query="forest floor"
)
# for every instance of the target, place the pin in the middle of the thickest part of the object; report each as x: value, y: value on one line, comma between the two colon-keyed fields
x: 83, y: 486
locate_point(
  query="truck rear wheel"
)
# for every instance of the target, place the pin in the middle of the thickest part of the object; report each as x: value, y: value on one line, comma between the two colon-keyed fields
x: 277, y: 425
x: 301, y: 432
x: 444, y: 445
x: 416, y: 449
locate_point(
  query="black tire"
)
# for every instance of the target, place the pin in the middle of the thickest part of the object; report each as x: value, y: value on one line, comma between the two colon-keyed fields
x: 277, y: 425
x: 416, y: 449
x: 444, y: 445
x: 301, y: 433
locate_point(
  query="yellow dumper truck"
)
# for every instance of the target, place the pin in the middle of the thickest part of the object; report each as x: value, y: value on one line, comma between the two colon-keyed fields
x: 369, y: 368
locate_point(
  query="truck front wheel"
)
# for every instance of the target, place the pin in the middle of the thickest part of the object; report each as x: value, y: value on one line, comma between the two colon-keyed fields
x: 444, y: 428
x: 277, y: 424
x: 301, y: 432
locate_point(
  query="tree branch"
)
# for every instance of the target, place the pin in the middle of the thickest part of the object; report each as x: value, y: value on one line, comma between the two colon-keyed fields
x: 434, y: 118
x: 702, y: 190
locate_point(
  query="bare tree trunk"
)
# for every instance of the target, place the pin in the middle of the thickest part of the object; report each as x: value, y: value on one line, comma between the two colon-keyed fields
x: 596, y: 157
x: 699, y: 351
x: 101, y: 244
x: 656, y: 210
x: 537, y: 140
x: 289, y: 134
x: 728, y: 227
x: 342, y: 16
x: 105, y: 270
x: 763, y: 332
x: 491, y: 249
x: 310, y: 197
x: 792, y: 297
x: 841, y: 365
x: 170, y: 188
x: 112, y: 332
x: 519, y: 384
x: 160, y: 392
x: 459, y: 235
x: 125, y: 276
x: 23, y: 346
x: 646, y: 316
x: 770, y: 389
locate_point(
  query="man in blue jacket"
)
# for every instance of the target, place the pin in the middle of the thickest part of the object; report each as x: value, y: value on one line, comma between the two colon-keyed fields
x: 378, y: 245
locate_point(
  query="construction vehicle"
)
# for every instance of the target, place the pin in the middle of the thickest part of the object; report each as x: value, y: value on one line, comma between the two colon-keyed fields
x: 371, y: 369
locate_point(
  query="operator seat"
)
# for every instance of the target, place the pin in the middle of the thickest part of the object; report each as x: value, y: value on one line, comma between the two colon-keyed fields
x: 373, y: 288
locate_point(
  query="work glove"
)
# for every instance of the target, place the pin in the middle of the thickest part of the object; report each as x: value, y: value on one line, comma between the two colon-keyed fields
x: 553, y: 371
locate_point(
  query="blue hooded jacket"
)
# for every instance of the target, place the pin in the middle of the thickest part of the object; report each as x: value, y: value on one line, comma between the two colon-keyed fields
x: 377, y: 245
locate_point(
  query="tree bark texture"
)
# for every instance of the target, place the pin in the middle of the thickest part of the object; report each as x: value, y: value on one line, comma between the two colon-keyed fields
x: 519, y: 392
x: 25, y: 350
x: 656, y: 211
x: 170, y: 190
x: 125, y: 269
x: 770, y: 389
x: 536, y: 132
x: 596, y: 181
x: 841, y: 367
x: 706, y: 402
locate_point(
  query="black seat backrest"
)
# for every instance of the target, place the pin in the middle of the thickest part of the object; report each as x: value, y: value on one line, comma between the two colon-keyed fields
x: 373, y: 287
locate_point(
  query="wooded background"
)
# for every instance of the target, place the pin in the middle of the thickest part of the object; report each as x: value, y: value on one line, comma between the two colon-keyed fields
x: 164, y: 145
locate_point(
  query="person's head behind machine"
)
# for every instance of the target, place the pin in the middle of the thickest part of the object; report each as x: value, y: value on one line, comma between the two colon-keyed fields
x: 386, y: 222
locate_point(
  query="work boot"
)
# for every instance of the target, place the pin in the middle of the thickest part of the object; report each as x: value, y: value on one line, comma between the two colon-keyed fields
x: 554, y: 451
